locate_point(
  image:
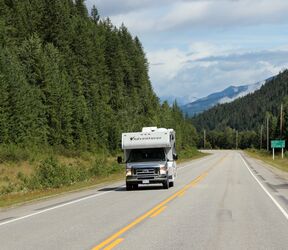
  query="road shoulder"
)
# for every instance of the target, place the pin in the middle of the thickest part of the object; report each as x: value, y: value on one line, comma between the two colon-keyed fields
x: 280, y: 173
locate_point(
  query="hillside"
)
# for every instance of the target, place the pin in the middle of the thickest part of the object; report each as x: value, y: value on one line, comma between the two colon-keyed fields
x: 73, y: 80
x: 249, y: 112
x: 227, y: 95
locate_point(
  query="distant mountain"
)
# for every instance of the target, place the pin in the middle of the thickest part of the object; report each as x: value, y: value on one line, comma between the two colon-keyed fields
x: 227, y: 95
x: 248, y: 112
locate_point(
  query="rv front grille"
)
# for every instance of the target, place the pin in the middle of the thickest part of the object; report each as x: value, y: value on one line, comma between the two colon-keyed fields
x: 146, y: 171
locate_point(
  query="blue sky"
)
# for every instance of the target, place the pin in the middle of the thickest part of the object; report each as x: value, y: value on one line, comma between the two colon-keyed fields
x: 196, y: 47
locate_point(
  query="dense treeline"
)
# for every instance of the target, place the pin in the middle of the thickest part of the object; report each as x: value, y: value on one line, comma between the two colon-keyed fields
x: 70, y: 79
x: 229, y: 138
x: 248, y: 117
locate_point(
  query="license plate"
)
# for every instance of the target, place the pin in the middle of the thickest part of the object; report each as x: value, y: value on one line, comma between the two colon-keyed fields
x: 145, y: 182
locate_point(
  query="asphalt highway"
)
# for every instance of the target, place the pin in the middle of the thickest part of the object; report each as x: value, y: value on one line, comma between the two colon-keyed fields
x: 223, y: 201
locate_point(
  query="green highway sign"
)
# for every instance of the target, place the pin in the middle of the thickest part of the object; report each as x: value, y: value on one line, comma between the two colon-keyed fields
x: 278, y: 144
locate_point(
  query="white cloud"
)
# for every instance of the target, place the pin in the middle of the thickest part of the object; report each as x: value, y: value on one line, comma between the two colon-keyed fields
x: 185, y: 13
x: 209, y: 68
x: 164, y: 64
x: 137, y: 22
x: 201, y: 50
x: 153, y: 16
x: 116, y: 7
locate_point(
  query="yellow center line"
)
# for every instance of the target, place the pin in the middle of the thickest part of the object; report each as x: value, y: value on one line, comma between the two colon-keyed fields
x: 181, y: 194
x: 160, y: 210
x: 153, y: 210
x: 114, y: 244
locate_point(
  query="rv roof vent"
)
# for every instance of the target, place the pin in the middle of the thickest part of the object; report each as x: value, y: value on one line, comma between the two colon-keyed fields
x: 148, y: 129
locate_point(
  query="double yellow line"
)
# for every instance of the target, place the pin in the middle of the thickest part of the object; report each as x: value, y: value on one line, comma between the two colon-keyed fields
x: 115, y: 239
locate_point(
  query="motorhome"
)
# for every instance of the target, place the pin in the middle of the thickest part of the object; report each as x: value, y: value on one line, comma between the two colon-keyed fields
x: 150, y: 157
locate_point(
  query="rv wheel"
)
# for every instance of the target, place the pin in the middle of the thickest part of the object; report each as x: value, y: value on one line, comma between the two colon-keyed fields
x: 166, y: 184
x: 129, y: 187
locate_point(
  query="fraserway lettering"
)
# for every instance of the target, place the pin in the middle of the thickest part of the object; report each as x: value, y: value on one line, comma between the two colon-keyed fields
x: 144, y: 138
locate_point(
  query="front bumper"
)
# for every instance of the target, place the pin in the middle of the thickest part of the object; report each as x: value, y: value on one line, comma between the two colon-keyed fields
x: 152, y: 179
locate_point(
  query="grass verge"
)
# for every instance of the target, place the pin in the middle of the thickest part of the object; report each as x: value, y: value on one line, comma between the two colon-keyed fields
x: 190, y: 153
x: 265, y: 156
x: 20, y: 198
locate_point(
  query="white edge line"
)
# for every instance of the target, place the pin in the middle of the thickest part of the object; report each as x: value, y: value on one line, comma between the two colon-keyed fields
x: 265, y: 190
x: 57, y: 206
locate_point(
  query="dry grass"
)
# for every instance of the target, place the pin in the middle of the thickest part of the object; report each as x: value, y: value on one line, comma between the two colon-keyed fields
x: 279, y: 163
x: 15, y: 199
x: 9, y: 172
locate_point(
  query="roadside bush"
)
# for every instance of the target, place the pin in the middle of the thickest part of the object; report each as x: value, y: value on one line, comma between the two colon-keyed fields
x: 78, y: 173
x: 116, y: 168
x: 187, y: 152
x: 50, y: 174
x: 10, y: 188
x: 13, y: 153
x: 61, y: 150
x: 7, y: 189
x: 102, y: 167
x: 99, y: 167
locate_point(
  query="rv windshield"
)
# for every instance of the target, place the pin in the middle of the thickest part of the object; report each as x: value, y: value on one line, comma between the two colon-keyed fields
x: 148, y: 154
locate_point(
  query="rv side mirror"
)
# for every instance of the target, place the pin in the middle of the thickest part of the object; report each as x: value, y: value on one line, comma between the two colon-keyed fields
x: 119, y: 159
x: 175, y: 157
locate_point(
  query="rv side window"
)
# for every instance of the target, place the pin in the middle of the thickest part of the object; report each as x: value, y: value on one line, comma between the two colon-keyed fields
x: 149, y: 154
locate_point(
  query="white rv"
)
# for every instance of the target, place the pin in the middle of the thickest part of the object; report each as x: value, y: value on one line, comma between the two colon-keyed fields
x: 150, y: 157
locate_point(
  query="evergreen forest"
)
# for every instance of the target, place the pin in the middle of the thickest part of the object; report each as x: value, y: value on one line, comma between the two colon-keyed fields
x: 70, y: 79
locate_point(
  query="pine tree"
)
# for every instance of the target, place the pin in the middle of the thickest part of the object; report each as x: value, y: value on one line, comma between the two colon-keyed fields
x: 4, y: 101
x: 99, y: 89
x: 80, y: 116
x: 58, y: 99
x: 26, y: 123
x: 81, y: 8
x: 3, y: 25
x: 95, y: 15
x: 56, y: 23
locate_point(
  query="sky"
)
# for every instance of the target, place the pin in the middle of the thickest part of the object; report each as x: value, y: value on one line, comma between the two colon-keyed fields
x: 197, y: 47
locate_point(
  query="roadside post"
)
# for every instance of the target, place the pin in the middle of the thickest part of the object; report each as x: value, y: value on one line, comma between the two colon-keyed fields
x: 278, y: 144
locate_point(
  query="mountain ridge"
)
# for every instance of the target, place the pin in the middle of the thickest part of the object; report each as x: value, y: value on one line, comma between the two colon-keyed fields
x: 227, y: 95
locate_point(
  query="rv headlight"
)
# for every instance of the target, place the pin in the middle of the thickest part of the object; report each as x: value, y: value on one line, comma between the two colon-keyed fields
x: 163, y: 169
x: 128, y: 172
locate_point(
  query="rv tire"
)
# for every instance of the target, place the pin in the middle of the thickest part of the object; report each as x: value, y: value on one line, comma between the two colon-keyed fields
x: 129, y: 187
x: 166, y: 184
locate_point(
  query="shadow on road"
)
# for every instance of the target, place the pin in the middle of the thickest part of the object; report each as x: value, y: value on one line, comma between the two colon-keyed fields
x: 140, y: 188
